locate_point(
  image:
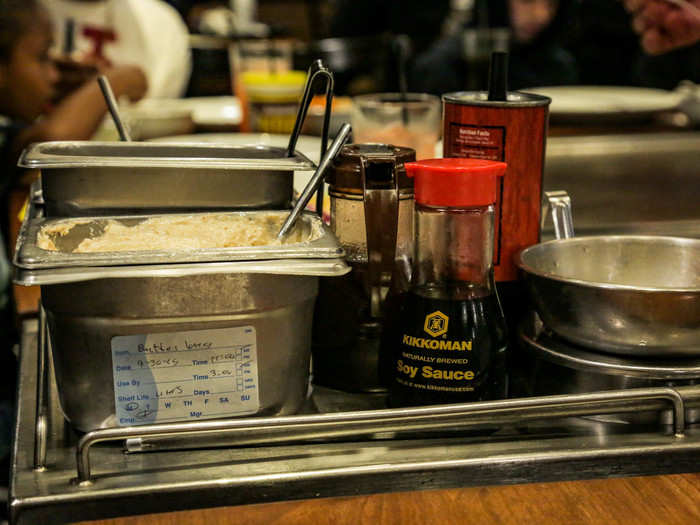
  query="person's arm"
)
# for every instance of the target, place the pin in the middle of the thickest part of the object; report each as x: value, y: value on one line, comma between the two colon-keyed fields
x: 663, y: 26
x: 79, y: 114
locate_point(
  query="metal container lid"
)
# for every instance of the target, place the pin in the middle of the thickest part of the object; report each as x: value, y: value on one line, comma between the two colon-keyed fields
x: 515, y: 99
x: 345, y: 173
x: 296, y: 267
x: 86, y: 154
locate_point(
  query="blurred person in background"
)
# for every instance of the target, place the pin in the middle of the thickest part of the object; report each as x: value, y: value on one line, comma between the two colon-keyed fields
x: 357, y: 18
x: 30, y: 113
x: 654, y: 45
x: 537, y: 54
x: 664, y: 26
x: 148, y: 33
x: 366, y: 50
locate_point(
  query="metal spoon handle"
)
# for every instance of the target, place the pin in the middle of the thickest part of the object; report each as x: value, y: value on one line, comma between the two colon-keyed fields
x: 113, y: 108
x: 560, y: 203
x: 316, y: 180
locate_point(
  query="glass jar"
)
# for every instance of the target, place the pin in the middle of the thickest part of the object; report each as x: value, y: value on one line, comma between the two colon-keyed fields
x: 450, y: 339
x: 372, y: 216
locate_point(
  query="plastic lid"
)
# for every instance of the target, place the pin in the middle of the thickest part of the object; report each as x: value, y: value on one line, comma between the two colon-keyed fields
x: 345, y: 174
x: 456, y: 182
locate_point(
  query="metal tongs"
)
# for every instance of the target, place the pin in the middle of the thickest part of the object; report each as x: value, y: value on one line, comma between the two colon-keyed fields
x: 316, y: 70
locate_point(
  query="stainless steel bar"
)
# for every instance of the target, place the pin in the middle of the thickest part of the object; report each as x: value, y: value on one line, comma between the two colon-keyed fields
x: 271, y: 436
x: 41, y: 415
x: 399, y: 420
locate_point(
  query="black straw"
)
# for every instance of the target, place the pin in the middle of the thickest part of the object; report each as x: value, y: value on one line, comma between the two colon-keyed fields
x: 68, y: 36
x: 498, y: 76
x: 402, y: 49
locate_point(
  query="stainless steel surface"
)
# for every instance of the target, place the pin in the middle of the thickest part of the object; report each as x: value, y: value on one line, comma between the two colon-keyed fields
x: 559, y: 367
x: 316, y: 180
x: 131, y: 484
x: 317, y: 242
x: 644, y: 183
x: 111, y: 102
x: 94, y: 178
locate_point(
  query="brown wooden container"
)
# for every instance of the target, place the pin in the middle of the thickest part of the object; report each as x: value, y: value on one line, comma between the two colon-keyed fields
x: 512, y: 131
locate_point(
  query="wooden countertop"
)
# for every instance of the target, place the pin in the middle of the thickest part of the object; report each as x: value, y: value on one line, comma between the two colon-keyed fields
x: 671, y: 500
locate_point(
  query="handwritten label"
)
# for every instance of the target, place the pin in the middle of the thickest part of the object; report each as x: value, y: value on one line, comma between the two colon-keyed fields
x: 185, y: 376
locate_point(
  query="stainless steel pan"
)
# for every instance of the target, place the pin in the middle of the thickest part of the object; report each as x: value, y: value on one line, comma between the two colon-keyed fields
x: 624, y: 294
x: 84, y: 179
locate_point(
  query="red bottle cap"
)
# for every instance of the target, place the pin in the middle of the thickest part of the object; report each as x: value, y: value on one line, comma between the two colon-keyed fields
x: 456, y: 182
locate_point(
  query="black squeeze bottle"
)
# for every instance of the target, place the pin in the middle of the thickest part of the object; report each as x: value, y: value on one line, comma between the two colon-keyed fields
x: 449, y: 341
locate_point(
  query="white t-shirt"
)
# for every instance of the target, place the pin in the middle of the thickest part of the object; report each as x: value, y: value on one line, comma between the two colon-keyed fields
x: 147, y: 33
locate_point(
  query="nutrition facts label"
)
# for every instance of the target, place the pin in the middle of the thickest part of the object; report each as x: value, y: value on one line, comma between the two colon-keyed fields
x: 477, y: 142
x: 185, y: 376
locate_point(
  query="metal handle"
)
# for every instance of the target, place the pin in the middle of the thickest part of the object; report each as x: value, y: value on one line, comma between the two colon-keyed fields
x: 254, y: 430
x: 113, y: 108
x: 560, y: 203
x: 381, y: 206
x: 42, y: 421
x: 315, y: 181
x: 317, y: 69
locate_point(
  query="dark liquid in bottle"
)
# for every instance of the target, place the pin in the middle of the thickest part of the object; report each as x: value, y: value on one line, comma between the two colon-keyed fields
x: 449, y: 345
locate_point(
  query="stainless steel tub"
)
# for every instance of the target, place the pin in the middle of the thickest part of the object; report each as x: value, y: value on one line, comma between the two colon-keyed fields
x: 105, y: 178
x: 129, y: 341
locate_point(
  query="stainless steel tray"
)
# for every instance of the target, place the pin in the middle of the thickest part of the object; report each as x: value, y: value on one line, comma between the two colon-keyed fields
x: 87, y: 154
x: 328, y: 455
x: 323, y: 244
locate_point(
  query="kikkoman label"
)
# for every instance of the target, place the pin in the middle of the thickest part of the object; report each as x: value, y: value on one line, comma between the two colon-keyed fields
x: 434, y: 344
x: 436, y: 323
x: 436, y: 348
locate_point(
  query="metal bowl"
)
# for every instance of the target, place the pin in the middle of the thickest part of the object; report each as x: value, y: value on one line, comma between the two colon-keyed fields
x: 634, y: 295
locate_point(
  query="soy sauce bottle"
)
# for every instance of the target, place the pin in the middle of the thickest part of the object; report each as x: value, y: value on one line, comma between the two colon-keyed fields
x: 450, y: 341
